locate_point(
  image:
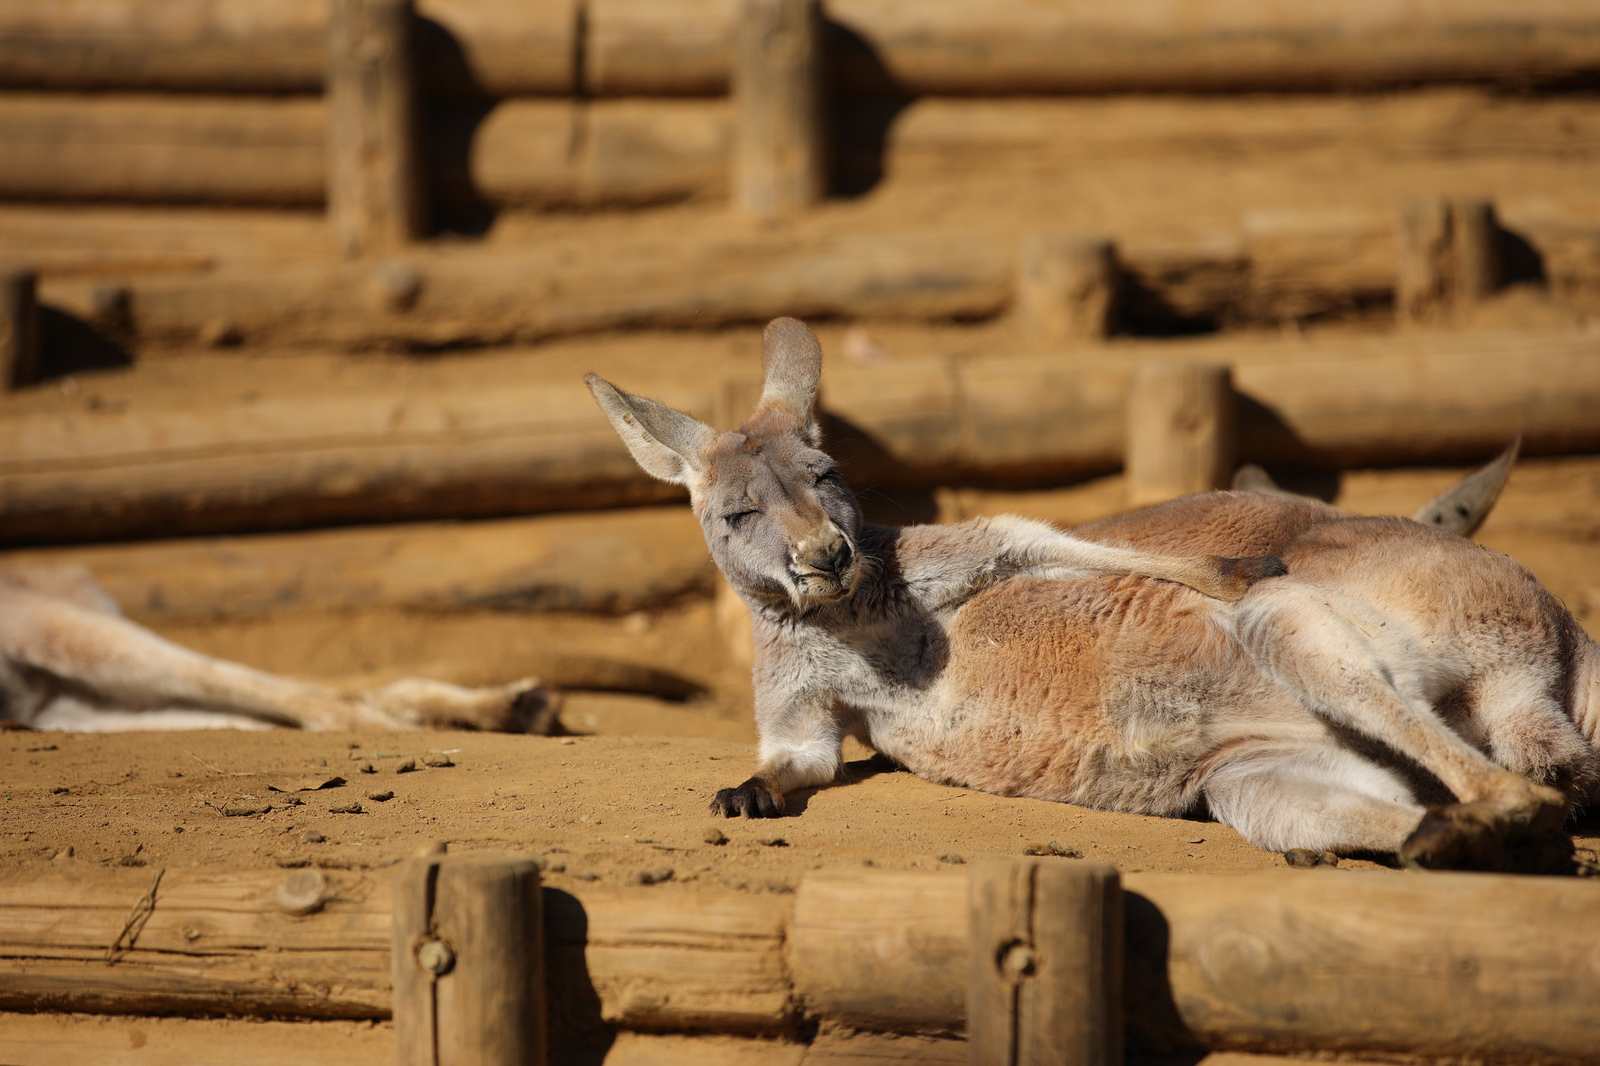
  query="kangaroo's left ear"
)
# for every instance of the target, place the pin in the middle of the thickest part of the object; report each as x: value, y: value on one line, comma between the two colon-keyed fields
x: 668, y: 444
x: 791, y: 359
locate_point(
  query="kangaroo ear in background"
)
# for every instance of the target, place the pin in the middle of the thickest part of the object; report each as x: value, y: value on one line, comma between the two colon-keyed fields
x: 1462, y: 507
x: 668, y: 444
x: 791, y: 360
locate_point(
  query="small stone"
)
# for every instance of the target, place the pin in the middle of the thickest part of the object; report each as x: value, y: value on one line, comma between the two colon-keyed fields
x: 177, y: 829
x: 952, y: 858
x: 347, y: 808
x: 438, y: 762
x: 311, y: 836
x: 713, y: 835
x: 1194, y: 840
x: 174, y: 773
x: 772, y: 842
x: 556, y: 867
x: 244, y: 811
x: 586, y: 876
x: 64, y: 853
x: 653, y: 877
x: 405, y: 766
x: 568, y: 740
x: 59, y: 790
x: 368, y: 768
x: 380, y: 797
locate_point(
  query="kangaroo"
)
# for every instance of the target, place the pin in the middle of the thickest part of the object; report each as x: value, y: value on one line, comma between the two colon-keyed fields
x: 69, y: 660
x: 1313, y: 708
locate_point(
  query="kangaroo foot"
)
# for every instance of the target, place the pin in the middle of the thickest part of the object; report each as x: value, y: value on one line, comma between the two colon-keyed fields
x: 1235, y: 576
x: 1482, y: 835
x: 753, y: 799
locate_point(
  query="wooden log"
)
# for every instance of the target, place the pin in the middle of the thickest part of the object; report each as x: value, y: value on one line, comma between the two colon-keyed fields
x: 34, y: 1039
x: 440, y: 443
x: 948, y: 46
x: 468, y: 959
x: 487, y: 47
x: 1067, y: 287
x: 881, y: 949
x: 221, y: 943
x: 936, y: 47
x: 19, y: 328
x: 779, y: 155
x: 1182, y: 436
x: 375, y: 194
x: 1044, y: 980
x: 1449, y: 258
x: 609, y: 561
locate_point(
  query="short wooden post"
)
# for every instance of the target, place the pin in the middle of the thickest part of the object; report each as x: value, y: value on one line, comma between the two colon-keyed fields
x: 468, y: 943
x: 375, y: 195
x: 780, y: 149
x: 1181, y: 430
x: 19, y: 327
x: 1449, y: 258
x: 1044, y: 980
x: 1068, y: 287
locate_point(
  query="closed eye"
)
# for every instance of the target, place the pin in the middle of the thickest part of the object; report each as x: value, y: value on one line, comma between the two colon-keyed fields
x: 827, y: 475
x: 737, y: 517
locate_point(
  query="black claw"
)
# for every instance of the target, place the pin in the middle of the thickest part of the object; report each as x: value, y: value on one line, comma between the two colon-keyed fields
x: 753, y: 799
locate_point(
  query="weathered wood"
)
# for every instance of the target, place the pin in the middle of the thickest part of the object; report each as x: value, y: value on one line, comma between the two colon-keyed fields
x: 882, y: 949
x: 1044, y: 981
x: 779, y: 155
x: 1182, y: 433
x: 607, y: 561
x: 33, y: 1039
x: 943, y: 46
x: 1449, y: 258
x: 215, y: 943
x: 1067, y: 287
x: 375, y: 195
x: 468, y: 959
x: 19, y: 327
x: 438, y: 446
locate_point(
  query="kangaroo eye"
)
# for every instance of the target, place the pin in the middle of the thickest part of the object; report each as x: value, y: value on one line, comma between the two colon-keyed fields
x: 734, y: 520
x: 826, y: 475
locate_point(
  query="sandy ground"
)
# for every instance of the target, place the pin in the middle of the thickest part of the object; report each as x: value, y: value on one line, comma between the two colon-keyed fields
x: 627, y: 801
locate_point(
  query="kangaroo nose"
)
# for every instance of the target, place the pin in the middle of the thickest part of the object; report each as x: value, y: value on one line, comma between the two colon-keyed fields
x: 837, y: 561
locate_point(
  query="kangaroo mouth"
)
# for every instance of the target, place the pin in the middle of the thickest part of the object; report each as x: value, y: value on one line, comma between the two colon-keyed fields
x: 814, y: 588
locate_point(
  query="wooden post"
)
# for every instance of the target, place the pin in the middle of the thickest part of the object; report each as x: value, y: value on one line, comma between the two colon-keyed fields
x: 1044, y: 980
x: 1181, y: 430
x: 375, y: 199
x: 19, y: 328
x: 468, y: 957
x: 780, y: 156
x: 1067, y: 287
x: 1449, y: 258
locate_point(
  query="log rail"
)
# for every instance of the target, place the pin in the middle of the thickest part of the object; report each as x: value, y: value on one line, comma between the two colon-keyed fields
x: 1481, y: 967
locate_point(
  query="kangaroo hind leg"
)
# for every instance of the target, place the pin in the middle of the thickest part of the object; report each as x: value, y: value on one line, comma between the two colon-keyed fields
x: 1321, y: 798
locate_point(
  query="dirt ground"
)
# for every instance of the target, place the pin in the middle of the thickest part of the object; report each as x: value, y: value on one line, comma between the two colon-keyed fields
x: 625, y: 802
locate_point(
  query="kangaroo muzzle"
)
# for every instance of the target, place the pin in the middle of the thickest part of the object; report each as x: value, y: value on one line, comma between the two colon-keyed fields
x: 823, y: 564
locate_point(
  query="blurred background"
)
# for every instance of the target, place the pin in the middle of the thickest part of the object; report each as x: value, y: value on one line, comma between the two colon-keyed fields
x: 296, y: 297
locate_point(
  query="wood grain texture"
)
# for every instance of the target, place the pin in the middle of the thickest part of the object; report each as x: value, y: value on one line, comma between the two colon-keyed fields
x: 33, y: 1039
x: 1182, y: 430
x: 779, y: 149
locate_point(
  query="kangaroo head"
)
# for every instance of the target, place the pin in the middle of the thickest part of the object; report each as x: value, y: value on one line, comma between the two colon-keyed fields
x: 779, y: 520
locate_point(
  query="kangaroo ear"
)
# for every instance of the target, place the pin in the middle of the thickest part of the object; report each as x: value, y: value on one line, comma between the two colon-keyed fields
x: 791, y: 359
x: 1462, y: 507
x: 668, y: 444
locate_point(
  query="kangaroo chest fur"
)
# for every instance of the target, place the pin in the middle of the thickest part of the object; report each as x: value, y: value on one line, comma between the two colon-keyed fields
x: 1055, y: 688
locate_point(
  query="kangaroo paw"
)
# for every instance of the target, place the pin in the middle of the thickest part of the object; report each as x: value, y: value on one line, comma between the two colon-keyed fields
x: 1479, y: 835
x: 753, y: 799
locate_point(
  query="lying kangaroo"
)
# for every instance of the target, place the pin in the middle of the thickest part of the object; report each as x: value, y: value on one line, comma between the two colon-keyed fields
x: 1000, y: 655
x: 69, y: 660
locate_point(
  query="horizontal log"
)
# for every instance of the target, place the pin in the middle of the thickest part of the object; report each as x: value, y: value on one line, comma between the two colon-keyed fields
x: 612, y: 562
x: 1465, y: 966
x: 273, y: 150
x: 503, y: 47
x: 98, y: 1040
x: 552, y: 151
x: 438, y: 442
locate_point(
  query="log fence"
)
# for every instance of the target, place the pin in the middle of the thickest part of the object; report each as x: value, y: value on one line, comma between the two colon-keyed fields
x: 1027, y: 961
x: 438, y: 447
